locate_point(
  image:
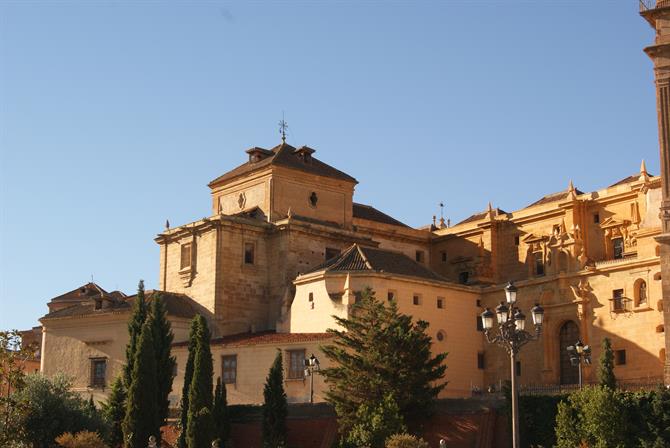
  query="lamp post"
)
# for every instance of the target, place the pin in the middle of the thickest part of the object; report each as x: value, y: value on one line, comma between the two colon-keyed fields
x: 311, y: 366
x: 579, y: 353
x: 512, y: 336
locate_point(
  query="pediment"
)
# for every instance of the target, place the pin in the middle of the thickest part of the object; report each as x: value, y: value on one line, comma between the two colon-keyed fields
x: 614, y: 222
x: 532, y: 238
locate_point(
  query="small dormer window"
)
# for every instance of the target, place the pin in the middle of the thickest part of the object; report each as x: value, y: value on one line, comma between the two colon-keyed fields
x: 313, y: 199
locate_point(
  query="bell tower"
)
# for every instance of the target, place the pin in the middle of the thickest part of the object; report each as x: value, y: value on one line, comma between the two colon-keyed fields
x: 657, y: 13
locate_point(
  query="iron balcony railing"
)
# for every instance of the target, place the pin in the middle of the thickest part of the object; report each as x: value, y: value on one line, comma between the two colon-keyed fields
x: 646, y: 5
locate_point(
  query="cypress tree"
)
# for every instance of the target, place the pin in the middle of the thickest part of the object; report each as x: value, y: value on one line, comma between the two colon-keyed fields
x: 114, y: 411
x: 134, y: 329
x: 220, y: 414
x: 606, y: 376
x: 141, y: 417
x: 165, y: 363
x: 188, y: 376
x: 199, y: 427
x: 275, y: 406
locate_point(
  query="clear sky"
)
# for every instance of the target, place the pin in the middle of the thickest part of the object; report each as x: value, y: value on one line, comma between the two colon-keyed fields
x: 114, y: 116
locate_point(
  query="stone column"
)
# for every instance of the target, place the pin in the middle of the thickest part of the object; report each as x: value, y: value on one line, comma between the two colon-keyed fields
x: 658, y: 16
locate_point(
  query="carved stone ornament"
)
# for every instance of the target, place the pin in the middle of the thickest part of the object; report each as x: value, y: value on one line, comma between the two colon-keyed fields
x: 241, y: 200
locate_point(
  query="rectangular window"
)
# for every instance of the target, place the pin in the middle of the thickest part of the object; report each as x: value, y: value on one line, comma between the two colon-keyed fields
x: 617, y: 299
x: 440, y: 302
x: 463, y: 278
x: 419, y: 256
x: 596, y: 218
x: 331, y: 253
x: 480, y: 361
x: 185, y: 256
x: 516, y: 240
x: 249, y: 252
x: 98, y: 372
x: 443, y: 255
x: 229, y: 369
x: 479, y: 303
x: 416, y: 299
x: 617, y: 244
x: 480, y: 325
x: 620, y: 357
x: 539, y: 264
x: 390, y: 295
x: 296, y: 366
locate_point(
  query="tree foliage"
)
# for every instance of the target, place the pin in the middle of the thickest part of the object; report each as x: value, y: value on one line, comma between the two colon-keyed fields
x: 220, y: 414
x: 376, y: 423
x: 83, y: 439
x: 141, y: 419
x: 199, y: 426
x: 381, y: 351
x: 606, y: 376
x: 139, y: 315
x: 405, y: 441
x: 48, y: 409
x: 275, y: 406
x: 165, y: 362
x: 188, y: 376
x: 114, y: 410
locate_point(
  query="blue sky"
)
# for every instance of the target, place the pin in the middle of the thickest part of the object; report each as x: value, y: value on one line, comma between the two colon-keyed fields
x: 115, y: 115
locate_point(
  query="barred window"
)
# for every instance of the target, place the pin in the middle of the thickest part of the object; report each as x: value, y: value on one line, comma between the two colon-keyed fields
x: 185, y: 256
x: 229, y: 366
x: 98, y: 372
x: 296, y: 365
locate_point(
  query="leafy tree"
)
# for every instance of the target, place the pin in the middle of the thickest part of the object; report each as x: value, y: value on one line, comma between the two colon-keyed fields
x: 188, y: 376
x: 13, y: 355
x: 405, y: 441
x: 199, y: 427
x: 141, y: 419
x: 220, y: 414
x: 165, y: 363
x: 114, y: 411
x: 381, y: 351
x: 137, y: 319
x: 606, y: 368
x: 376, y: 423
x: 656, y: 420
x: 275, y: 406
x: 50, y: 408
x: 83, y: 439
x: 595, y: 417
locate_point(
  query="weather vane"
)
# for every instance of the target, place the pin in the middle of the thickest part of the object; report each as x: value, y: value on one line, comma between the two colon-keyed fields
x: 442, y: 210
x: 282, y: 128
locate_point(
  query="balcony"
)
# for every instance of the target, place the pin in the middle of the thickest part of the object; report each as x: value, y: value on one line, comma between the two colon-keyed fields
x: 615, y: 261
x: 648, y: 5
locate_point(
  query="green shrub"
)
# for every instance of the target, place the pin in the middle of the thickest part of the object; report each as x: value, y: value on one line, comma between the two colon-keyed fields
x: 405, y: 441
x: 83, y: 439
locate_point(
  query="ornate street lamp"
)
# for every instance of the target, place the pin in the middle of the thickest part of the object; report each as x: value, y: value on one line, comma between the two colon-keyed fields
x: 579, y: 353
x: 512, y: 336
x: 311, y: 366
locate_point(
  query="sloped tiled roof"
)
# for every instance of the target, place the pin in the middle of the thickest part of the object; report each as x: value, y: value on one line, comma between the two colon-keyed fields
x: 80, y: 294
x: 481, y: 215
x: 177, y: 305
x: 370, y: 213
x: 269, y: 337
x: 287, y: 156
x: 628, y: 179
x: 553, y: 197
x: 358, y: 258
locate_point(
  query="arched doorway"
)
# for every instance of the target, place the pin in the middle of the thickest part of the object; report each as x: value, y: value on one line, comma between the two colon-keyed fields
x: 568, y: 335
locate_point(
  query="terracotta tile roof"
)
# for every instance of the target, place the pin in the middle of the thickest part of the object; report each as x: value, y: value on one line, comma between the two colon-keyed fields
x: 358, y: 258
x: 287, y: 156
x: 628, y: 179
x: 269, y: 337
x: 553, y: 197
x: 177, y: 305
x: 82, y: 293
x: 481, y: 215
x: 370, y: 213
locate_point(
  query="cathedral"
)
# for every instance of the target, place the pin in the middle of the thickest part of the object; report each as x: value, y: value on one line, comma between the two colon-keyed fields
x: 286, y: 248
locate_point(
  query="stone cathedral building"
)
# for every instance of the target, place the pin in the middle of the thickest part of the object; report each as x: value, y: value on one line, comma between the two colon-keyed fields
x: 286, y: 248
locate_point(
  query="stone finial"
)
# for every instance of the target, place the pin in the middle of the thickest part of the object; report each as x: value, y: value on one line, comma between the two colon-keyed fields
x: 434, y: 221
x: 442, y: 223
x: 489, y: 211
x: 572, y: 193
x: 167, y: 225
x: 644, y: 176
x: 289, y: 214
